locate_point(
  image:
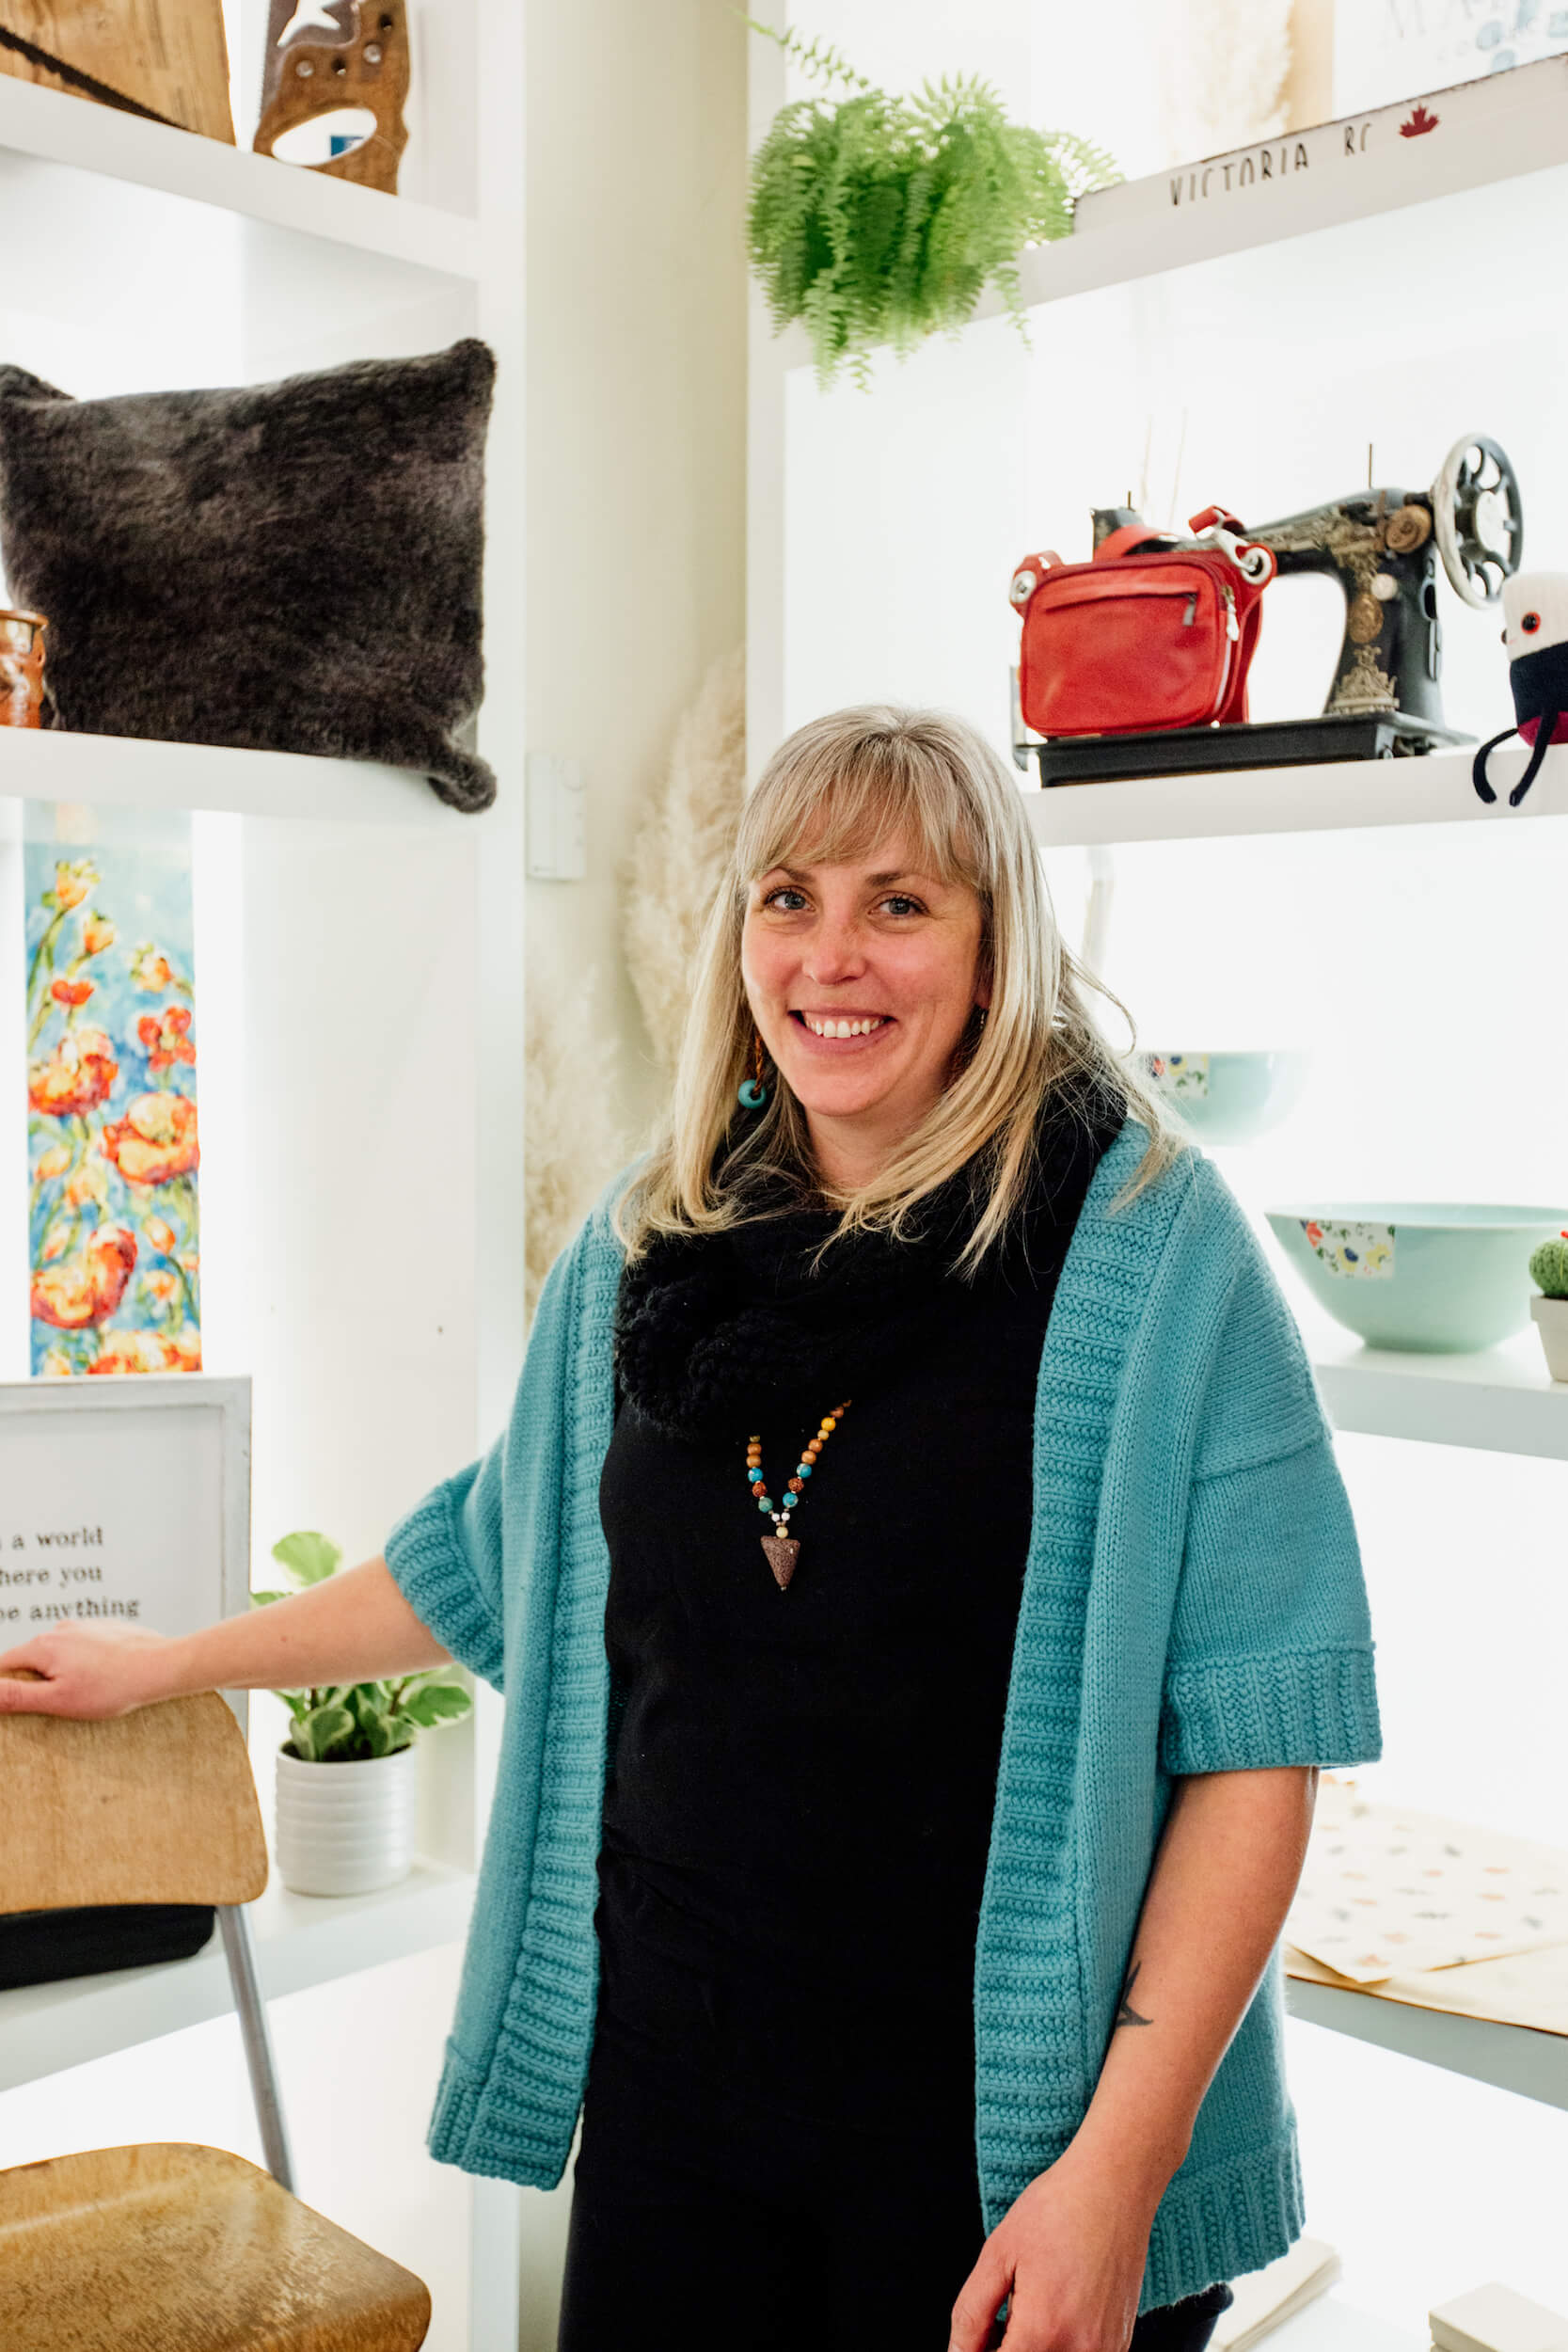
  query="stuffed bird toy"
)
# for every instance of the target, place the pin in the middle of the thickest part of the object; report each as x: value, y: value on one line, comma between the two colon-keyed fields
x: 1535, y: 617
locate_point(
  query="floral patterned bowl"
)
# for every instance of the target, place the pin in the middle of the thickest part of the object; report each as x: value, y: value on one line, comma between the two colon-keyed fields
x: 1226, y: 1098
x: 1432, y: 1277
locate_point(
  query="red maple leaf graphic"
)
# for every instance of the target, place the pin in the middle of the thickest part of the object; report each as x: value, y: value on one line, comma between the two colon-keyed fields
x: 1419, y: 121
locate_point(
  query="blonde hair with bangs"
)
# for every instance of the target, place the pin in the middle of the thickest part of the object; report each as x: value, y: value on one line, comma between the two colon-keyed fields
x: 833, y: 790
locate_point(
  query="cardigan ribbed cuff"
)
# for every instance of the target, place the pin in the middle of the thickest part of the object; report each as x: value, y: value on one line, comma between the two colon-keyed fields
x: 432, y: 1572
x: 1222, y: 2221
x: 1245, y: 1714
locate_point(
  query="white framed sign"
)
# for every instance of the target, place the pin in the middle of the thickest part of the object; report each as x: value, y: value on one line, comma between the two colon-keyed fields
x: 125, y: 1500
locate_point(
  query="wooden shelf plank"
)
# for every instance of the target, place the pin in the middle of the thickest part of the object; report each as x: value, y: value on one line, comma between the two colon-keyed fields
x: 1339, y: 795
x: 1500, y: 1400
x: 59, y: 128
x: 124, y: 770
x: 1514, y: 2058
x: 300, y: 1941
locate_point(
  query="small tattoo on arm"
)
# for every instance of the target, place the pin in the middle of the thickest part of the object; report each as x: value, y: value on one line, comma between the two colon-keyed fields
x: 1127, y: 2015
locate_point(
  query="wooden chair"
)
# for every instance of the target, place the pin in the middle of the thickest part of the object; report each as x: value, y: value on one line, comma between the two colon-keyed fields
x: 169, y: 2246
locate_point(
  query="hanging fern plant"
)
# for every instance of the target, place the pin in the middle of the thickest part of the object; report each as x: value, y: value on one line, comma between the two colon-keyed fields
x: 881, y: 220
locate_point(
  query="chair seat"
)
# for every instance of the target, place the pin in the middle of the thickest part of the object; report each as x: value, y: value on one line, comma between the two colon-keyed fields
x: 173, y: 2248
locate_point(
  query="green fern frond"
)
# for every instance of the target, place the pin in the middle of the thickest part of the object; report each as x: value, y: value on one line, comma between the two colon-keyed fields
x: 881, y: 220
x: 819, y: 59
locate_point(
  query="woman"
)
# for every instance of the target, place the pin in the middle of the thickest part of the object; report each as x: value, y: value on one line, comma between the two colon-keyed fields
x: 895, y: 1898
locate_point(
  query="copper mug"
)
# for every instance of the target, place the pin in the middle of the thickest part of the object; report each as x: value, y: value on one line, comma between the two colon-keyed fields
x: 21, y: 668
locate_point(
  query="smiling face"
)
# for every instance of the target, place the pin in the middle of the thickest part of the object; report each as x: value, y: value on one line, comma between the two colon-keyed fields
x: 862, y: 976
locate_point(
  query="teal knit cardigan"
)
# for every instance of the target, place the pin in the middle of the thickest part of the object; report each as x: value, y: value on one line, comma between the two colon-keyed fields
x: 1192, y: 1602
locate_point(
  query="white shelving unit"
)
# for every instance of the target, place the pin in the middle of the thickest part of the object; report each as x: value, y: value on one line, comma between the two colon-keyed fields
x: 124, y: 771
x: 1500, y: 1401
x: 1340, y: 796
x: 367, y: 967
x: 1512, y: 2058
x: 300, y: 1941
x: 54, y: 128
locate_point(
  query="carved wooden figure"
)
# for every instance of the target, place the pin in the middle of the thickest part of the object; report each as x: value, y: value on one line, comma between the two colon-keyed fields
x: 369, y: 70
x: 21, y: 668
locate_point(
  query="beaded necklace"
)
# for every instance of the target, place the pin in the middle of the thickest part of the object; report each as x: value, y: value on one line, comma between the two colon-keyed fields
x: 783, y: 1550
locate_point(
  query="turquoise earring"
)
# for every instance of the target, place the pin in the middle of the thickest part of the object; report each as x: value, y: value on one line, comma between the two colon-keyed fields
x: 752, y: 1093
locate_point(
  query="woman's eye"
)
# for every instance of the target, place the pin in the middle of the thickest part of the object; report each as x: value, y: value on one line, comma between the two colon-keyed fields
x: 900, y: 904
x: 785, y: 891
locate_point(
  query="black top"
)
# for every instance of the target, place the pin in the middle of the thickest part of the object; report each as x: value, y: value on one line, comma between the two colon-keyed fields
x: 797, y: 1805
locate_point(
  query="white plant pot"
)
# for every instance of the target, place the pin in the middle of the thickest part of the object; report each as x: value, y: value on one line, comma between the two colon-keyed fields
x: 345, y: 1829
x: 1551, y: 1321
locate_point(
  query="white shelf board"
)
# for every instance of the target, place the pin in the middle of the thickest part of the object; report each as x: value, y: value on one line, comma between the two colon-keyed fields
x: 58, y: 129
x: 1330, y: 796
x: 1501, y: 1400
x: 1490, y: 131
x: 300, y: 1941
x: 123, y: 771
x: 1513, y: 2057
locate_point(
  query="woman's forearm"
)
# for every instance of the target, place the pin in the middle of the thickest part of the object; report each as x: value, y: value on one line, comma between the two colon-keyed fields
x: 1227, y: 1868
x: 356, y: 1627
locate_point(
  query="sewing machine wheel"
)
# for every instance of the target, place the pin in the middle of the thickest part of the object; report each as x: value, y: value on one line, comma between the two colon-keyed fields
x: 1478, y: 517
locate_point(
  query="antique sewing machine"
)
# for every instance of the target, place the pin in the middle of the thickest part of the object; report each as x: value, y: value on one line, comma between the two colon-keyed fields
x: 1382, y: 546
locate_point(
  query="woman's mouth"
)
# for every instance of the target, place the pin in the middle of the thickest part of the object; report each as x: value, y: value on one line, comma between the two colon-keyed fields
x: 838, y: 1029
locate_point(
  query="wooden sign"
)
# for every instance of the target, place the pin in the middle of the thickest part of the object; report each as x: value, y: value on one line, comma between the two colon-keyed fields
x: 166, y: 58
x: 123, y: 1501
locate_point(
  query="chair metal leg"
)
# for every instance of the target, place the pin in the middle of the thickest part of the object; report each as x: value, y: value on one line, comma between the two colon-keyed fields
x: 257, y: 2041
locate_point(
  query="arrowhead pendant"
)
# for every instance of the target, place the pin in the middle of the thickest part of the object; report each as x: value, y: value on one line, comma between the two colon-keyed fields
x: 782, y: 1552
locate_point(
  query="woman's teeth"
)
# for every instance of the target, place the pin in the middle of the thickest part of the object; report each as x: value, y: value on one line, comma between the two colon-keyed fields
x: 842, y: 1028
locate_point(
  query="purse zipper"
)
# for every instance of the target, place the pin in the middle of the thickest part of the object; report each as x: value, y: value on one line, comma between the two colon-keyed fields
x: 1232, y: 628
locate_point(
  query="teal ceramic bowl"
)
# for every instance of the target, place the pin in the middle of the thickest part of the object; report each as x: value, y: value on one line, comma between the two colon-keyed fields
x: 1228, y: 1097
x: 1416, y: 1274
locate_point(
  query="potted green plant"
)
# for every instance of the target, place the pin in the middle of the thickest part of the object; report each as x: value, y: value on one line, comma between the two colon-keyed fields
x: 345, y: 1774
x: 1549, y: 1267
x: 882, y: 219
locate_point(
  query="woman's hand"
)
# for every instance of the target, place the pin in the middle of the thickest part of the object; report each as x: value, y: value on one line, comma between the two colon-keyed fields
x: 86, y: 1670
x: 1070, y: 2253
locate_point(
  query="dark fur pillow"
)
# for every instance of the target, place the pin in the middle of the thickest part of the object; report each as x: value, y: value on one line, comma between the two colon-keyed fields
x: 288, y: 568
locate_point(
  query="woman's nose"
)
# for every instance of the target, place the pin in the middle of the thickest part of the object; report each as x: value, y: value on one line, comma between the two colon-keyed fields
x: 836, y: 953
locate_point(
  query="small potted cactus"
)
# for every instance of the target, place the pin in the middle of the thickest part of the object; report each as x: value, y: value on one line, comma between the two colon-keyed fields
x: 1549, y: 1268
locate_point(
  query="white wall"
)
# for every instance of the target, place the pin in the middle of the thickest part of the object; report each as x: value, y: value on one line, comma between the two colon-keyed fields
x: 636, y: 424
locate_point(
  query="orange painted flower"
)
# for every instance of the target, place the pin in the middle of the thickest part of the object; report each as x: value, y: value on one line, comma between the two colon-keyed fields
x: 164, y: 1038
x: 56, y: 1243
x: 157, y: 1139
x: 160, y: 1285
x: 150, y: 968
x: 146, y: 1351
x: 98, y: 932
x: 70, y: 992
x: 74, y: 882
x: 76, y: 1078
x: 160, y: 1234
x: 58, y: 1365
x: 54, y: 1162
x: 87, y: 1289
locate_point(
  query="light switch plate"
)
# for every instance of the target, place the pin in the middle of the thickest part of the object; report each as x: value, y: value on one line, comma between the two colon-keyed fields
x: 555, y: 831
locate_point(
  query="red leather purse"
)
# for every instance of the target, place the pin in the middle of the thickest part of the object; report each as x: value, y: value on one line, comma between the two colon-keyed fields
x: 1154, y: 632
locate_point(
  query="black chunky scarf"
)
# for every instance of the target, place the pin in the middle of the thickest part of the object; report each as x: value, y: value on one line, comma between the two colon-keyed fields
x: 742, y: 1324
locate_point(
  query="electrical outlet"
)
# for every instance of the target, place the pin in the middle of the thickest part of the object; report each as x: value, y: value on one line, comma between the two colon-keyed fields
x: 555, y: 831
